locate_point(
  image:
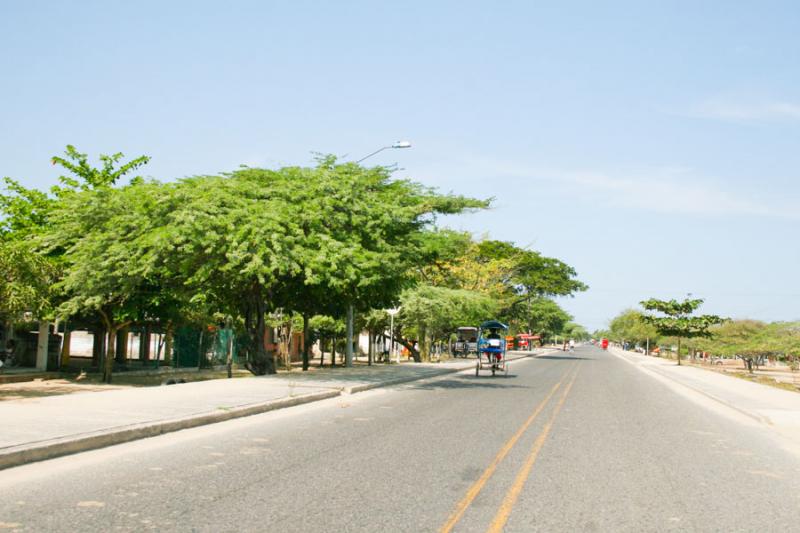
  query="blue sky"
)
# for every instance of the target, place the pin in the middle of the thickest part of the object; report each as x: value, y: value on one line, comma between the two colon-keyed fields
x: 651, y: 145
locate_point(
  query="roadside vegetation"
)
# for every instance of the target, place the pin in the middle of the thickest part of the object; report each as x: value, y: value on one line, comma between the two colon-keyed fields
x: 754, y: 343
x: 325, y: 249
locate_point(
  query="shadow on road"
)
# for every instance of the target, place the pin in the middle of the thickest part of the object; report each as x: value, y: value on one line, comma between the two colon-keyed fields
x: 482, y: 382
x: 565, y: 358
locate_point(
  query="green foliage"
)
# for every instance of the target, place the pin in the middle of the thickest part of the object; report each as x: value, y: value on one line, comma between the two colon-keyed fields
x: 545, y: 276
x: 326, y: 326
x: 677, y: 320
x: 23, y: 211
x: 753, y: 338
x: 25, y: 280
x: 631, y: 326
x: 545, y: 317
x: 113, y: 241
x: 575, y: 331
x: 86, y: 177
x: 431, y: 313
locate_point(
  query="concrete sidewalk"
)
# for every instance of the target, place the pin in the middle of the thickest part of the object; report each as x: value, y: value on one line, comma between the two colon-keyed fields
x: 776, y: 408
x: 41, y: 428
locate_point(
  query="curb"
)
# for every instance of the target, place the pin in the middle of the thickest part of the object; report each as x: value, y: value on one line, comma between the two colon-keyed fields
x: 52, y: 448
x: 49, y: 449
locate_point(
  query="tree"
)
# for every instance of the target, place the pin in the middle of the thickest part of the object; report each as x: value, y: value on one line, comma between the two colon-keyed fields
x: 85, y: 177
x: 25, y: 281
x: 112, y: 262
x: 431, y: 314
x: 630, y: 325
x: 27, y: 220
x: 375, y: 322
x: 676, y: 319
x: 545, y: 317
x: 256, y: 240
x: 575, y: 331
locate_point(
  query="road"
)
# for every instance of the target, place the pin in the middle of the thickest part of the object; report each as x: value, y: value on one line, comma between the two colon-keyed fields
x: 579, y: 442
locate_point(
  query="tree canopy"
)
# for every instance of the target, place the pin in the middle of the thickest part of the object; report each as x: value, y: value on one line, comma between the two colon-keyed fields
x: 676, y: 319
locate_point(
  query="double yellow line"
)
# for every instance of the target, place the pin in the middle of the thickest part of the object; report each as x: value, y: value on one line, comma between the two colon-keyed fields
x: 513, y: 493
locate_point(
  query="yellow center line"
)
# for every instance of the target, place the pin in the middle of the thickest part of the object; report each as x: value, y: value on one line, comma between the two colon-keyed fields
x: 513, y: 493
x: 476, y: 487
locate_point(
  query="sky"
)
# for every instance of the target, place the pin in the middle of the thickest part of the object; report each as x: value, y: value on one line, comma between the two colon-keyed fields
x: 653, y: 146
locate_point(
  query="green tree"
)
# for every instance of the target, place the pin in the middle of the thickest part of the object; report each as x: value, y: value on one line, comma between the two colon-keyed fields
x: 676, y: 320
x: 112, y: 262
x: 83, y: 176
x: 431, y: 314
x: 25, y: 281
x: 630, y: 326
x: 256, y: 240
x: 545, y: 317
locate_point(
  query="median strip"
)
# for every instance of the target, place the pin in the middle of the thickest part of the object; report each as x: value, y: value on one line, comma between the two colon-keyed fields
x: 514, y: 491
x: 476, y: 487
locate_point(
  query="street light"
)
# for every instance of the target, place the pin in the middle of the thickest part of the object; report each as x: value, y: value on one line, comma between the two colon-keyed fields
x: 392, y: 312
x: 349, y: 328
x: 398, y: 144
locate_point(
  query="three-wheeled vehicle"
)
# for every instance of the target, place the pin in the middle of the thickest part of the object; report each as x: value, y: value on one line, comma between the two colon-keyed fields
x: 467, y: 341
x: 491, y: 348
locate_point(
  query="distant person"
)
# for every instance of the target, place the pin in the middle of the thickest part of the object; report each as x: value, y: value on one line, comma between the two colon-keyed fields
x: 9, y: 358
x: 571, y: 345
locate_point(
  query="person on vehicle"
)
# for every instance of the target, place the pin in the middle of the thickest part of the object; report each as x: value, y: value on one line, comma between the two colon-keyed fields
x: 571, y: 345
x: 493, y: 334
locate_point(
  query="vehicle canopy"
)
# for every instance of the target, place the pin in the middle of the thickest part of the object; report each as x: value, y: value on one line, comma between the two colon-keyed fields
x: 492, y: 344
x: 493, y: 324
x: 467, y: 333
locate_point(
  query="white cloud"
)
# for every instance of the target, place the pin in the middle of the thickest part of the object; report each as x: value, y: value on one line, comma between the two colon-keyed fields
x: 672, y: 189
x: 669, y: 192
x: 748, y: 111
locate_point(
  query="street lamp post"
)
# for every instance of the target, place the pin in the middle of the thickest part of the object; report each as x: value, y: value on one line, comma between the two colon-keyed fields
x: 398, y: 144
x: 392, y: 312
x: 349, y: 334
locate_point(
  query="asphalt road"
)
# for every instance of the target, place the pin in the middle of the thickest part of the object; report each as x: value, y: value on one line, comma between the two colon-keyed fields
x: 579, y: 442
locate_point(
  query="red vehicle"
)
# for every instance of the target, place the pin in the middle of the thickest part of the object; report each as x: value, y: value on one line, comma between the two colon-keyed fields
x: 522, y: 341
x: 604, y: 344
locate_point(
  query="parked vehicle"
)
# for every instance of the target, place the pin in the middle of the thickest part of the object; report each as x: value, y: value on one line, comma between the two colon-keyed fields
x: 467, y: 341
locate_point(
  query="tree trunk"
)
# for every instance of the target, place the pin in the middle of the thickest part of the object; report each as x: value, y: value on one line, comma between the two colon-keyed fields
x: 262, y: 360
x: 348, y: 360
x: 371, y: 349
x: 321, y: 351
x: 144, y: 345
x: 98, y: 346
x: 410, y: 347
x: 424, y: 349
x: 200, y: 354
x: 168, y: 338
x: 679, y: 351
x: 65, y: 345
x: 111, y: 348
x: 306, y: 346
x: 333, y: 352
x: 229, y: 355
x: 122, y: 346
x: 287, y: 342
